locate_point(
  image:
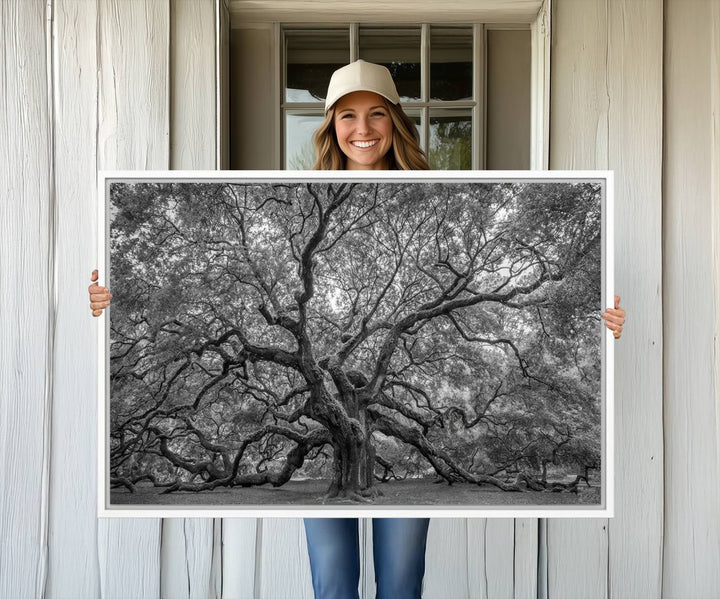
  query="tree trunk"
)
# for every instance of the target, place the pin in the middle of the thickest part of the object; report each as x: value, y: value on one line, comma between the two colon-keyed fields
x: 353, y: 466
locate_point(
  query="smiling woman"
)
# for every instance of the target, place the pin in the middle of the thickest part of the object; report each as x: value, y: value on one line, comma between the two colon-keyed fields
x: 364, y: 130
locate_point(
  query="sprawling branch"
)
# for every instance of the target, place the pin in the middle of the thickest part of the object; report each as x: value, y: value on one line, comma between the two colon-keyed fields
x: 442, y: 307
x: 441, y: 461
x: 230, y: 477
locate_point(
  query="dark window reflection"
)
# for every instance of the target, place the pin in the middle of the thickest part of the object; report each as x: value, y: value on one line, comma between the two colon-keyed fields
x: 399, y: 50
x: 311, y: 58
x: 451, y: 55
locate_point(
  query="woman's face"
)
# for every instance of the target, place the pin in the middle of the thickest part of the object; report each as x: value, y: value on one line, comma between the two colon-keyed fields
x: 364, y: 130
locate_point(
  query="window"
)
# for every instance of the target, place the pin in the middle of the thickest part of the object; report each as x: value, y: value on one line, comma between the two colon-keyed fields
x: 439, y: 72
x: 467, y: 87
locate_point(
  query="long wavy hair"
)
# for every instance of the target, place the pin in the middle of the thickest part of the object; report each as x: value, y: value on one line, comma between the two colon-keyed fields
x: 405, y: 153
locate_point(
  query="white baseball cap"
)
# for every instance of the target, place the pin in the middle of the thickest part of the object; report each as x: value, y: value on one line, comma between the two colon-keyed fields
x: 361, y: 76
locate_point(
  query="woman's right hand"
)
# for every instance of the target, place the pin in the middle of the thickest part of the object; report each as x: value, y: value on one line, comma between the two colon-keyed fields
x: 99, y: 296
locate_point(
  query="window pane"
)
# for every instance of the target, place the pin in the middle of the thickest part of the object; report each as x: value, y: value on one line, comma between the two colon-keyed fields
x: 450, y: 139
x: 299, y: 150
x: 451, y: 55
x: 311, y: 57
x: 399, y: 50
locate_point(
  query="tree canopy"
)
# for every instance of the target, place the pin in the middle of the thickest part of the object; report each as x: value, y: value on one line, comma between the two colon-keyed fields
x: 354, y: 332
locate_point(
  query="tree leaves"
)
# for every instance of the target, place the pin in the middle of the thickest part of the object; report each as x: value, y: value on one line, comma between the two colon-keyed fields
x: 507, y: 379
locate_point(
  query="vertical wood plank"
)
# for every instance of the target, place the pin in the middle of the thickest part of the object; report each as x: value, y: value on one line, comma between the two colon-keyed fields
x: 133, y: 127
x: 577, y: 558
x: 133, y: 132
x: 608, y: 88
x: 72, y: 544
x: 634, y: 76
x: 715, y: 194
x: 283, y: 565
x: 577, y: 551
x: 500, y: 556
x: 449, y: 558
x: 526, y: 558
x: 692, y: 399
x: 477, y: 584
x: 129, y: 558
x: 186, y: 557
x: 193, y: 85
x: 579, y: 97
x: 215, y: 589
x: 239, y: 557
x: 26, y: 304
x: 491, y: 549
x: 187, y: 543
x: 542, y: 569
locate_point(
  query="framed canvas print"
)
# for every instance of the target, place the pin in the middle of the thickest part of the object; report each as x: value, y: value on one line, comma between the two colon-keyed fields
x: 356, y: 344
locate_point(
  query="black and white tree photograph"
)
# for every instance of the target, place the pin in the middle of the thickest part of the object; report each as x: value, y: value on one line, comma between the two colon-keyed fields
x: 359, y: 343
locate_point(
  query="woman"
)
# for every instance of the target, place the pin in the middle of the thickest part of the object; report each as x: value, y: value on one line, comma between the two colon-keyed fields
x: 365, y: 129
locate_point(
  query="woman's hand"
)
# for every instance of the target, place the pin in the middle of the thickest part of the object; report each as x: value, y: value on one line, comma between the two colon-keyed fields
x: 99, y: 296
x: 615, y: 318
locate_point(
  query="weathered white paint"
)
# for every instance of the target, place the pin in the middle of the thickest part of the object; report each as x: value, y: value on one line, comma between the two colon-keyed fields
x: 72, y: 544
x: 216, y: 568
x: 691, y: 318
x: 634, y: 87
x: 187, y: 544
x: 399, y: 11
x: 193, y: 87
x: 715, y: 204
x: 495, y: 557
x: 526, y: 559
x: 186, y: 557
x: 27, y: 312
x: 446, y: 558
x: 240, y: 539
x: 577, y: 553
x: 282, y: 568
x: 133, y: 133
x: 606, y: 112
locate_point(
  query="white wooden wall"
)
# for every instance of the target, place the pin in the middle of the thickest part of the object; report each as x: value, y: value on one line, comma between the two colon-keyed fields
x: 606, y: 113
x: 691, y: 300
x: 133, y: 85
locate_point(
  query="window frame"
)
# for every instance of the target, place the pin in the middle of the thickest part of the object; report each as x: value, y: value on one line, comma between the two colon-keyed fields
x: 476, y: 106
x: 540, y: 29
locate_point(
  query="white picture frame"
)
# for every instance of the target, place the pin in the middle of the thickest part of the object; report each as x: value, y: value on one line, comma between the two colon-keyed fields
x: 603, y: 509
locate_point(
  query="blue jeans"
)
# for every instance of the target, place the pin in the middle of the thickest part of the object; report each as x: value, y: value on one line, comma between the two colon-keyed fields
x: 398, y: 552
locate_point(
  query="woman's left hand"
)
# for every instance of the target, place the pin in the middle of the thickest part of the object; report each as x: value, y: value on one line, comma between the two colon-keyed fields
x: 615, y: 318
